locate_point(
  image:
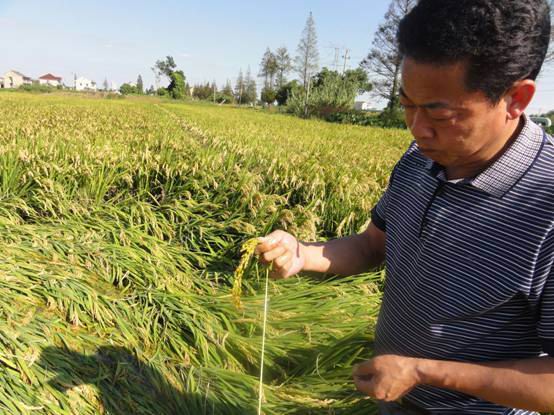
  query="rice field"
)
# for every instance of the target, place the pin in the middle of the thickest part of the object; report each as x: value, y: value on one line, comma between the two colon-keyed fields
x: 121, y: 223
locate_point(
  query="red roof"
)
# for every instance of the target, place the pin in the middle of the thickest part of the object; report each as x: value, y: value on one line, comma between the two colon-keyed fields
x: 50, y: 77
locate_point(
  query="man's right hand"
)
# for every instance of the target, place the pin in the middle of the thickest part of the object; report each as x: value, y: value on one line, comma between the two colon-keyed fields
x: 283, y: 252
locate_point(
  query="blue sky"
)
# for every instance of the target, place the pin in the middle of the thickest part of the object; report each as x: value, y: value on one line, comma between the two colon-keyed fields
x: 210, y: 40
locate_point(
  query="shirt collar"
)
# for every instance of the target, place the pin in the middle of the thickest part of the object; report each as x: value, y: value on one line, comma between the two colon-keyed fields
x: 506, y: 171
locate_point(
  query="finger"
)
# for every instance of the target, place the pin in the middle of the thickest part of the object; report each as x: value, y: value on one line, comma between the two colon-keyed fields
x: 364, y: 368
x: 366, y: 385
x: 283, y: 259
x: 273, y: 254
x: 267, y: 244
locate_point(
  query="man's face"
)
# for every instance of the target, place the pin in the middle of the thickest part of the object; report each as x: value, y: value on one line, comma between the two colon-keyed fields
x: 452, y: 126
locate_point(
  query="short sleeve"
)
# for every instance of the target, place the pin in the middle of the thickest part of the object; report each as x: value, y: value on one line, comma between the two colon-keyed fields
x: 379, y: 211
x: 546, y: 314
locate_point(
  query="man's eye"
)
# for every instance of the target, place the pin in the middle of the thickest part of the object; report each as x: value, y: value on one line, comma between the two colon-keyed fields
x: 441, y: 114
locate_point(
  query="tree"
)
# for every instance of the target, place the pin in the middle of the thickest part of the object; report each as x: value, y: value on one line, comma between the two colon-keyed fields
x: 251, y: 93
x: 176, y: 87
x: 268, y: 95
x: 240, y: 88
x: 226, y: 94
x: 140, y: 85
x: 286, y: 91
x: 384, y: 60
x: 165, y: 67
x: 127, y: 89
x: 177, y: 81
x: 307, y: 59
x: 284, y: 65
x: 268, y: 68
x: 203, y: 91
x: 214, y: 91
x: 332, y: 92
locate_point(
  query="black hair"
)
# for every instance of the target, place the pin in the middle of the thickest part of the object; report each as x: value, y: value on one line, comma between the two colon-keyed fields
x: 502, y: 41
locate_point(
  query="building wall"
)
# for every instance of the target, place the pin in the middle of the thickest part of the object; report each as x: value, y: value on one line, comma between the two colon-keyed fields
x: 13, y: 80
x: 83, y: 84
x: 361, y: 105
x: 50, y: 82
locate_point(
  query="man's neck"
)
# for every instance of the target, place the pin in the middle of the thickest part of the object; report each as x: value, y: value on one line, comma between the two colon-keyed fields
x: 488, y: 156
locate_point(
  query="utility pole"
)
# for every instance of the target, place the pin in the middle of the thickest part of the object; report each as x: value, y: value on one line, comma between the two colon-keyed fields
x: 336, y: 61
x: 346, y: 58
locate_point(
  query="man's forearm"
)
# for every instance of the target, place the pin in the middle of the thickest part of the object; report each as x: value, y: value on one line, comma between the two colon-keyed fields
x: 345, y: 256
x: 524, y: 384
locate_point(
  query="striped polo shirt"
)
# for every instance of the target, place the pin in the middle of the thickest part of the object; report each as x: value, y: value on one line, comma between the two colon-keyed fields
x: 469, y: 264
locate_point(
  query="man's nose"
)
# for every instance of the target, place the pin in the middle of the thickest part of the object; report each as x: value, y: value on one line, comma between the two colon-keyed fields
x: 420, y: 126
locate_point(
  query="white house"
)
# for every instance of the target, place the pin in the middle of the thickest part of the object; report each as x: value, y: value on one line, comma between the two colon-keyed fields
x: 362, y: 106
x: 14, y: 79
x: 50, y: 79
x: 84, y: 84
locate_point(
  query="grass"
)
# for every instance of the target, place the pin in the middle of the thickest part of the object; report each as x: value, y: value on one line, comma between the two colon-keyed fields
x: 121, y: 223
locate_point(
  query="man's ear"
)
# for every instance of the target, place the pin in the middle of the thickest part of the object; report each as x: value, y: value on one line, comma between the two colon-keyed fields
x: 519, y: 96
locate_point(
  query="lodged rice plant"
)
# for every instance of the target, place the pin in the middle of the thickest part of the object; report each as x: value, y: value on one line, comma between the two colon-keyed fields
x: 121, y: 224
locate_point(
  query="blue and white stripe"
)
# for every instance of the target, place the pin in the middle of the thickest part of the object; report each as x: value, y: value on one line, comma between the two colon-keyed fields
x: 470, y: 273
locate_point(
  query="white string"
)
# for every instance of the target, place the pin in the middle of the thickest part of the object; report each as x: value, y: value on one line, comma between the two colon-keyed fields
x: 261, y: 391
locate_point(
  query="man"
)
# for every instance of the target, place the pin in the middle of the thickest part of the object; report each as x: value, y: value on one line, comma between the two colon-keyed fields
x: 466, y: 226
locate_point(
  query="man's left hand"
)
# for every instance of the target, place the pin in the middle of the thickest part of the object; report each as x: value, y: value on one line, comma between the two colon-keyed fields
x: 386, y: 377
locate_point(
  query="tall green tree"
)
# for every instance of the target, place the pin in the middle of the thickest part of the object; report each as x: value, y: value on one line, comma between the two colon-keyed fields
x: 140, y: 85
x: 176, y: 87
x: 165, y: 67
x: 268, y: 68
x: 251, y: 94
x: 383, y: 61
x: 240, y: 88
x: 307, y: 58
x: 284, y: 65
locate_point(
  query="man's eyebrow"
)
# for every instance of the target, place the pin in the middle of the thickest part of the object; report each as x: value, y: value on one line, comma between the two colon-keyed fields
x: 429, y: 105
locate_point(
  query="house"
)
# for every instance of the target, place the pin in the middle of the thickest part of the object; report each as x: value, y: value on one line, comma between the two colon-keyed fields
x: 14, y: 79
x: 362, y: 106
x: 84, y: 84
x: 50, y: 79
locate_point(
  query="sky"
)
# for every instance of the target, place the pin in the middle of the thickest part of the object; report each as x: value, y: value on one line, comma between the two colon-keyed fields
x: 209, y: 40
